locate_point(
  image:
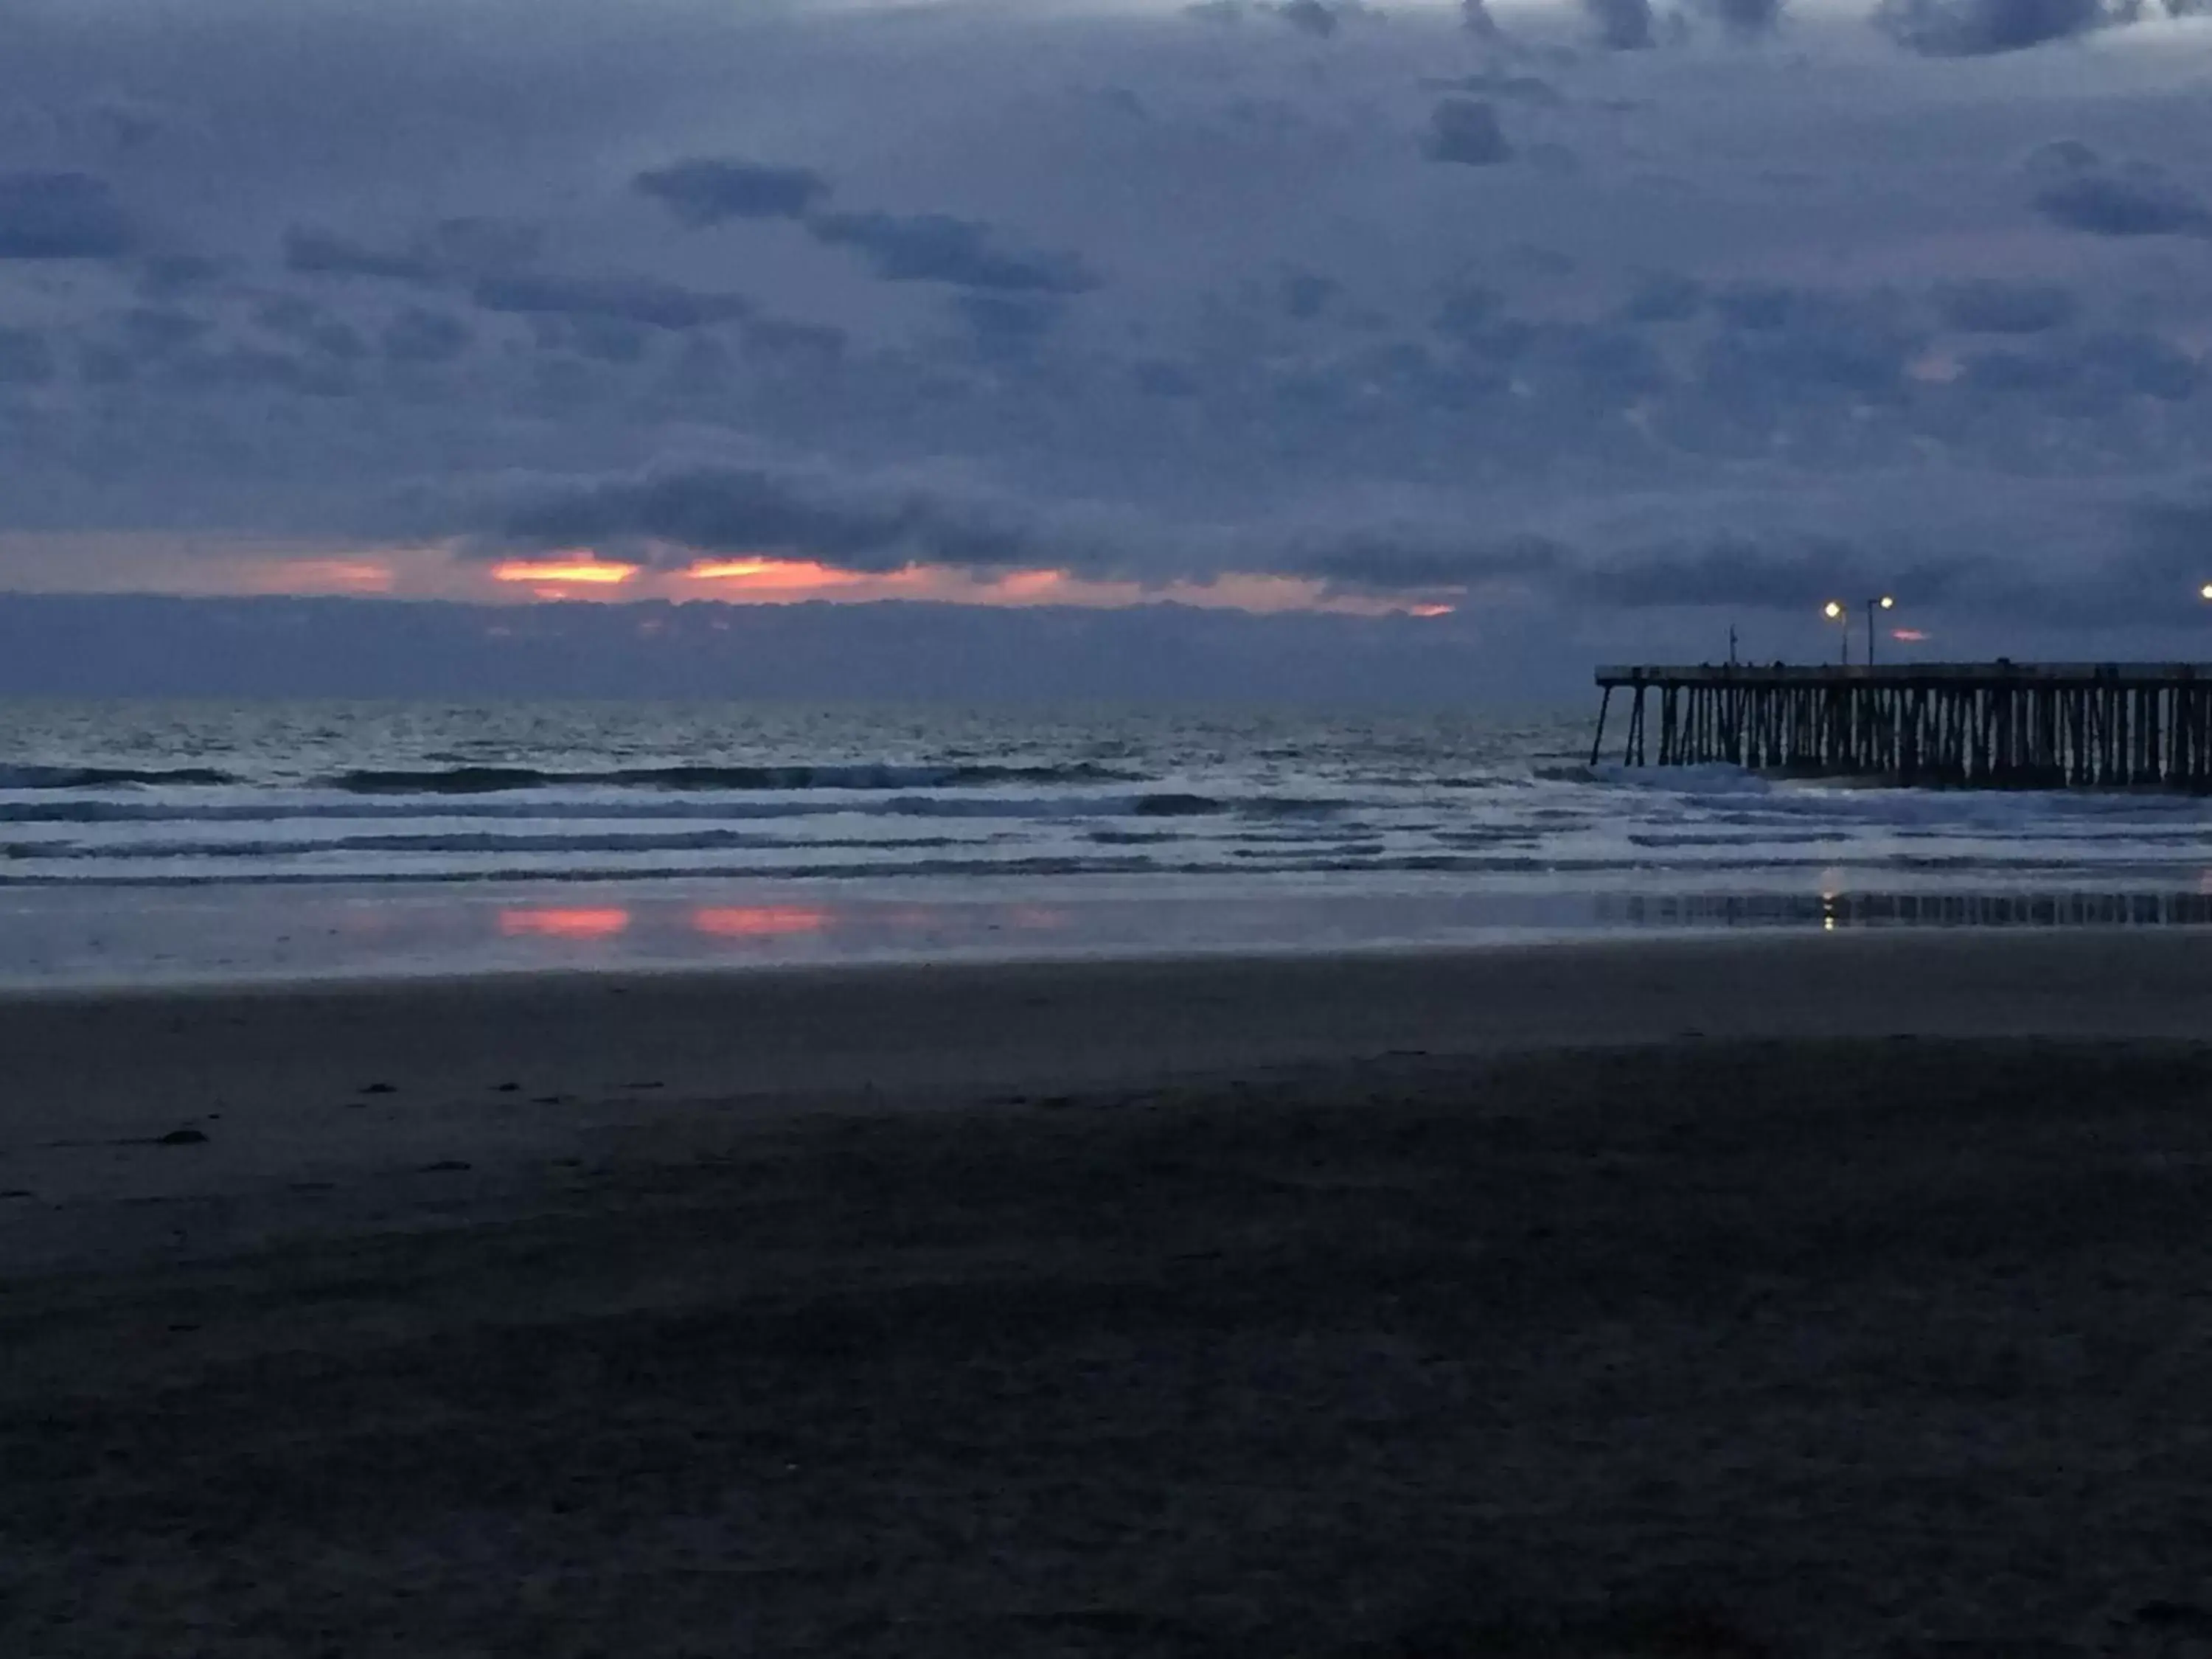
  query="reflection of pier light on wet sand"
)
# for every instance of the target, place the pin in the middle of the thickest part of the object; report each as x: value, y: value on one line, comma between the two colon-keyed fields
x: 542, y: 921
x: 758, y: 921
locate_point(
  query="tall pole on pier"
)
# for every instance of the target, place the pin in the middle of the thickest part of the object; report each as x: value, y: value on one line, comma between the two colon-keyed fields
x: 1885, y: 602
x: 1834, y: 610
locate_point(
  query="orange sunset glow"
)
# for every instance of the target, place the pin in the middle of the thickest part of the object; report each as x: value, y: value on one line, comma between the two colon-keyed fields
x: 323, y: 576
x: 590, y: 572
x: 446, y: 571
x: 545, y: 922
x: 764, y: 581
x: 798, y: 573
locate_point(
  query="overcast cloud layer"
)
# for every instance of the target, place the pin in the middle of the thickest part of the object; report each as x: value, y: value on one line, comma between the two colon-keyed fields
x: 1592, y: 320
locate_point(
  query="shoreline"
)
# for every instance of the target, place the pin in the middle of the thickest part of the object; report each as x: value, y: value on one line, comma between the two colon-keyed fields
x: 324, y: 1087
x: 98, y: 941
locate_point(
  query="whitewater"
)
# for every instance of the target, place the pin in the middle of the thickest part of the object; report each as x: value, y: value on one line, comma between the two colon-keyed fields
x: 238, y: 833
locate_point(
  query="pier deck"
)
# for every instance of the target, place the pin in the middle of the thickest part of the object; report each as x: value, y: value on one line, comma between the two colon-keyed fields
x: 2000, y: 725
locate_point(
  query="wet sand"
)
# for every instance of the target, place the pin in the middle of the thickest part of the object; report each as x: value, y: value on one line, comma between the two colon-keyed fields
x: 1814, y: 1296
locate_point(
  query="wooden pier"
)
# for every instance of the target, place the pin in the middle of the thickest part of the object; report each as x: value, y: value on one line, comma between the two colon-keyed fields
x: 1987, y: 725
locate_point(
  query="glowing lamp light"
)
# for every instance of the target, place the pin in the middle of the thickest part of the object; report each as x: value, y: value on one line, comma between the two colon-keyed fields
x: 2205, y: 592
x: 1832, y: 611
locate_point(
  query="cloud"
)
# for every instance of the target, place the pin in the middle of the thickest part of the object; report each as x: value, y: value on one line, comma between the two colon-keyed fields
x: 1465, y: 131
x: 478, y: 243
x: 156, y: 331
x: 166, y: 276
x: 707, y: 191
x: 1468, y: 311
x: 1746, y: 19
x: 1307, y: 293
x: 642, y: 299
x: 1004, y: 326
x: 26, y: 358
x: 1664, y: 298
x: 603, y: 339
x: 1622, y: 25
x: 451, y: 249
x: 1507, y: 87
x: 1315, y: 17
x: 1308, y: 16
x: 1210, y: 395
x: 318, y: 253
x: 2143, y: 365
x: 61, y: 216
x: 668, y: 513
x: 936, y: 247
x: 1474, y: 16
x: 2093, y: 378
x: 1987, y: 306
x: 2138, y: 199
x: 858, y: 522
x: 1415, y: 557
x: 257, y: 370
x: 306, y: 325
x: 1977, y: 28
x: 776, y: 340
x: 1744, y: 572
x: 1779, y: 340
x: 418, y: 336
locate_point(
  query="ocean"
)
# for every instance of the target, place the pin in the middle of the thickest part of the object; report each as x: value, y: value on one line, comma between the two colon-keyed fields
x: 156, y: 840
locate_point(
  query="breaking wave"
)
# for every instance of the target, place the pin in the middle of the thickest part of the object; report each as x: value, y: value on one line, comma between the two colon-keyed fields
x: 108, y: 777
x: 489, y: 779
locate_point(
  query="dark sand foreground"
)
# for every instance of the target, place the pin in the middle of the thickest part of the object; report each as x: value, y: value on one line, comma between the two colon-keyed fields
x: 1412, y: 1307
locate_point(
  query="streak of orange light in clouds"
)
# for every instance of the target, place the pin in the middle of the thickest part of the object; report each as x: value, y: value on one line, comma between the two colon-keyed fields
x: 758, y: 921
x: 773, y: 572
x: 593, y: 572
x: 538, y: 921
x: 323, y: 576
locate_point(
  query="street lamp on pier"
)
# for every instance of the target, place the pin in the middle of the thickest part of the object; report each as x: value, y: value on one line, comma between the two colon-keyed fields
x: 1885, y: 602
x: 1834, y: 610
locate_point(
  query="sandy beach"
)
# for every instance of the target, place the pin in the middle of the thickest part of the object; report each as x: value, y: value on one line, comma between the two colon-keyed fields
x: 1816, y: 1295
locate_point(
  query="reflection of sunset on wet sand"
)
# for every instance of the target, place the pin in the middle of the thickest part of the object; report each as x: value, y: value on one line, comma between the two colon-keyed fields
x: 546, y: 922
x: 758, y: 921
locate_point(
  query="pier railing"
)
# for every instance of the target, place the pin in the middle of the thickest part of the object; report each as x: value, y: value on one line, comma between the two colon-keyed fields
x: 1999, y: 724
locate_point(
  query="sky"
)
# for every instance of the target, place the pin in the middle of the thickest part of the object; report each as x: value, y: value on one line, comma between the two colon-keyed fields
x: 1534, y: 334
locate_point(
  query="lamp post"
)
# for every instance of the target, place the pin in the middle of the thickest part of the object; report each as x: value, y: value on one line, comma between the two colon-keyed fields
x: 1835, y: 612
x: 1885, y: 602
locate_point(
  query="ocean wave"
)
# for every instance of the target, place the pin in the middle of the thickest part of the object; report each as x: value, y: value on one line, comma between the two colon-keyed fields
x: 108, y: 777
x: 509, y: 866
x: 489, y: 779
x: 279, y: 808
x: 1177, y: 806
x: 697, y: 841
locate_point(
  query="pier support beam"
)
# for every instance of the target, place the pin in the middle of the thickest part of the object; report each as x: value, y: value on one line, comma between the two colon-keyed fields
x: 2002, y: 724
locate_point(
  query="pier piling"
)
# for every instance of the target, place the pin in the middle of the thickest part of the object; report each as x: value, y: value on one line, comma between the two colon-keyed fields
x: 1990, y: 726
